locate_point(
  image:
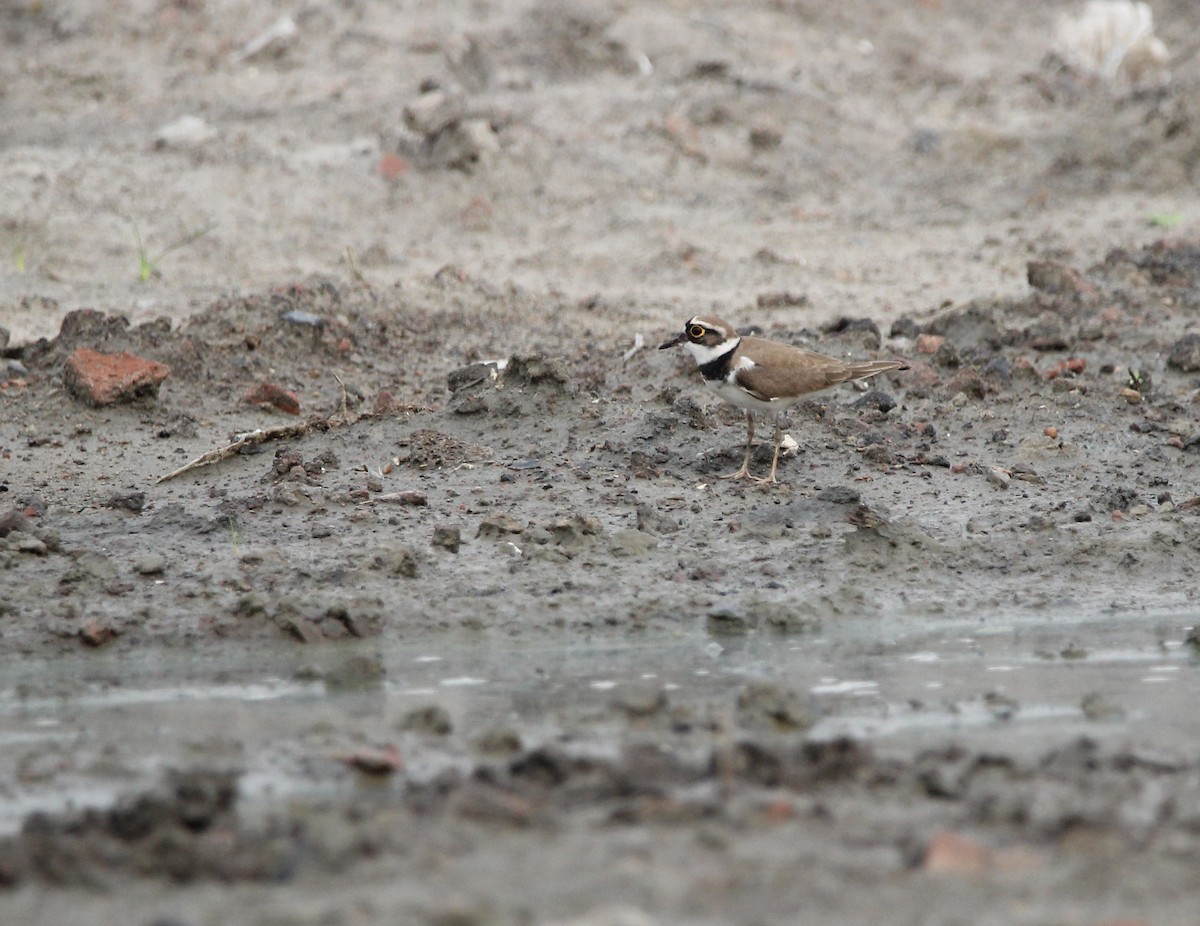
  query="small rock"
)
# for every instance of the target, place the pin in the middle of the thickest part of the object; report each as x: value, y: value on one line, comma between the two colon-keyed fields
x: 771, y: 706
x: 96, y: 633
x: 400, y: 561
x: 127, y: 501
x: 998, y: 477
x: 105, y: 379
x: 947, y: 358
x: 502, y: 741
x: 465, y: 144
x: 150, y: 564
x: 642, y: 699
x: 473, y: 374
x: 728, y: 622
x: 448, y: 538
x: 302, y: 318
x: 269, y: 395
x: 1185, y: 354
x: 1057, y: 279
x: 432, y: 719
x: 433, y: 112
x: 538, y: 370
x: 498, y: 525
x: 407, y: 497
x: 385, y: 761
x: 765, y: 138
x: 875, y: 399
x: 1072, y: 366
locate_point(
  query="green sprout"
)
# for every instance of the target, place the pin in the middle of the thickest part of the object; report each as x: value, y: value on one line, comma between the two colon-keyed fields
x: 147, y: 265
x: 1165, y: 219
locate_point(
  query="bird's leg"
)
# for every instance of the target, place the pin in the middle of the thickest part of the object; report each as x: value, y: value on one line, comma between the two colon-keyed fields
x: 744, y: 472
x: 770, y: 480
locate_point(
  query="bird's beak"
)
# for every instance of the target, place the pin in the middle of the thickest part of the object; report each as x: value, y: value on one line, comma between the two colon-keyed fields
x: 678, y: 339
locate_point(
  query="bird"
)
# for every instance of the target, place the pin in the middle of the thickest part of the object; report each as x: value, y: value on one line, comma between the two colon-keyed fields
x: 759, y: 375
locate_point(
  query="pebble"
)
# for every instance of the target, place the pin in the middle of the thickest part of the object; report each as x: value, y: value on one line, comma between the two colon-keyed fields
x: 126, y: 501
x: 499, y: 524
x: 400, y: 561
x: 299, y: 317
x: 446, y: 537
x: 728, y: 622
x: 1185, y: 354
x: 432, y: 719
x: 1055, y: 278
x: 641, y: 699
x: 407, y: 497
x: 96, y: 633
x: 875, y: 399
x: 998, y: 477
x: 269, y: 395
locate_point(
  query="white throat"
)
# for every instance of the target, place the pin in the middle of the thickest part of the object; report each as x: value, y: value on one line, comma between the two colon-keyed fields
x: 703, y: 354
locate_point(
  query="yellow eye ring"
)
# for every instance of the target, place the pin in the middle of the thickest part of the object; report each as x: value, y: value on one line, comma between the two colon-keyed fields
x: 696, y: 331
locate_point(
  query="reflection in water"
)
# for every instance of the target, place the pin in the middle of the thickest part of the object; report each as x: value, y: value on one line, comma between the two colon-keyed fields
x: 79, y: 731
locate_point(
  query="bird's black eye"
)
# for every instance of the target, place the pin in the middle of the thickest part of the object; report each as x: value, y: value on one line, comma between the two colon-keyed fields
x: 696, y: 332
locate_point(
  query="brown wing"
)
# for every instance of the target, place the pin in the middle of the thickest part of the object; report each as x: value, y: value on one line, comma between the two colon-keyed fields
x: 784, y: 371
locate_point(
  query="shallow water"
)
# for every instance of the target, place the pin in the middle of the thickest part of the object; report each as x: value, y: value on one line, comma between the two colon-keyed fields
x: 78, y: 732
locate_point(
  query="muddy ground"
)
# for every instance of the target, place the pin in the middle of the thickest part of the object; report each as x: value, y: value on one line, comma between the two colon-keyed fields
x: 481, y: 638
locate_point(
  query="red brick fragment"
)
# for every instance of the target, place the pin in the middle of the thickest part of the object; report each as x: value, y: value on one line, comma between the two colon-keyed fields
x: 268, y: 395
x: 1070, y: 367
x: 376, y: 761
x: 929, y: 343
x: 105, y: 379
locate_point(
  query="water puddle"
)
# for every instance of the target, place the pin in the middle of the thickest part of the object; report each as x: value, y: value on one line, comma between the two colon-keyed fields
x: 79, y: 731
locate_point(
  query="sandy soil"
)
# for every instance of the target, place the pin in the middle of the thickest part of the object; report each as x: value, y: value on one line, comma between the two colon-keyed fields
x: 482, y: 639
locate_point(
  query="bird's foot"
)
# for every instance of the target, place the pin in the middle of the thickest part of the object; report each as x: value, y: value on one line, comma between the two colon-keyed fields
x: 743, y: 473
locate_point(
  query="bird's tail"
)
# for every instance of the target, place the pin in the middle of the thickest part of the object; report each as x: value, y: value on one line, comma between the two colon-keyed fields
x: 874, y: 368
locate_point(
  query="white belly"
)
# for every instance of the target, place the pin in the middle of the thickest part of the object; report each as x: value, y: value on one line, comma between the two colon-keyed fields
x: 735, y: 395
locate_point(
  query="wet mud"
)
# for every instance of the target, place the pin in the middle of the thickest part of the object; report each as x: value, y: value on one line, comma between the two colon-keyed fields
x: 412, y: 594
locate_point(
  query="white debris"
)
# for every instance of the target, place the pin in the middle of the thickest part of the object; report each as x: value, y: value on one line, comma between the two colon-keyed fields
x: 275, y: 38
x: 788, y: 446
x: 638, y: 343
x: 184, y: 132
x: 1115, y: 40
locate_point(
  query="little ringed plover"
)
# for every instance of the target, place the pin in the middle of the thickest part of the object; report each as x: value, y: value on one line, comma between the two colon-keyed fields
x: 758, y: 375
